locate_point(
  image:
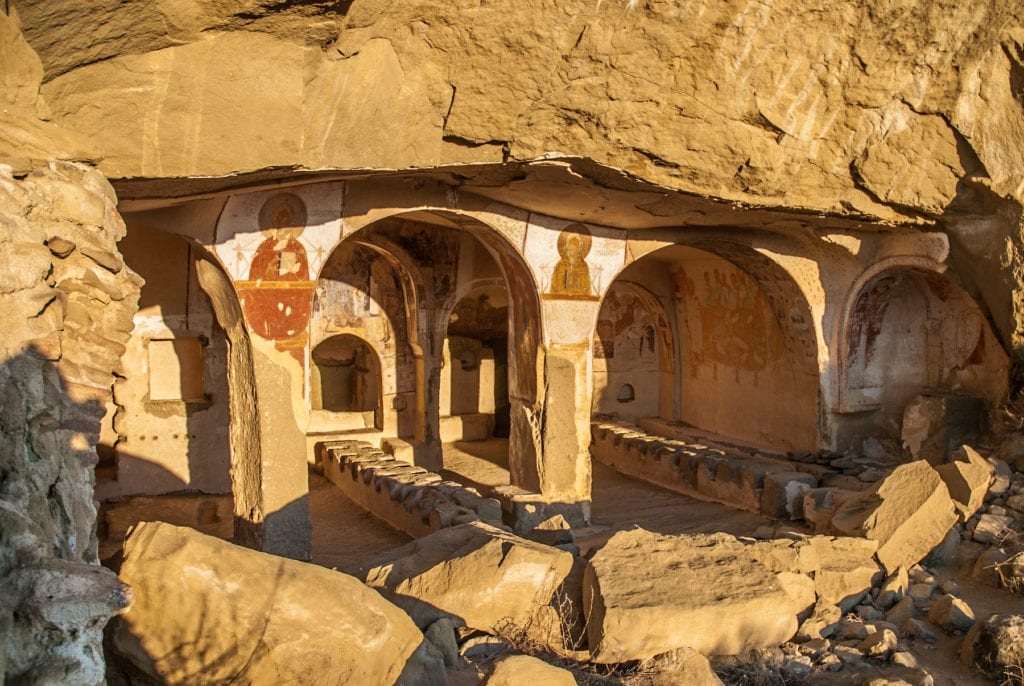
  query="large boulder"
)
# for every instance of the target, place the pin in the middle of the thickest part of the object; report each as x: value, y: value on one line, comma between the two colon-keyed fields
x: 908, y: 512
x: 645, y: 594
x: 207, y: 610
x: 477, y: 574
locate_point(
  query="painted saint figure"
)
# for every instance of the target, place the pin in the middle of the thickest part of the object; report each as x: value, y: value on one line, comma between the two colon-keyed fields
x: 281, y: 257
x: 572, y: 275
x: 278, y: 295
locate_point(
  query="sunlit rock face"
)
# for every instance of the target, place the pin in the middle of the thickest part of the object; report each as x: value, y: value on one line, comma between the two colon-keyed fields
x: 895, y: 113
x: 849, y: 108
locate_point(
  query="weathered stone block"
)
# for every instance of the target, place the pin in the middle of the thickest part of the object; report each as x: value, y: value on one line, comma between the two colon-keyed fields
x: 908, y: 513
x: 635, y: 608
x: 967, y: 483
x: 476, y: 574
x: 523, y: 670
x: 207, y: 610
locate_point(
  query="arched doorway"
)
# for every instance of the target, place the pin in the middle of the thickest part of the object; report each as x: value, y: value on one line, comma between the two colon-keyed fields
x: 908, y: 330
x: 736, y: 341
x: 364, y: 357
x: 474, y: 375
x: 437, y: 294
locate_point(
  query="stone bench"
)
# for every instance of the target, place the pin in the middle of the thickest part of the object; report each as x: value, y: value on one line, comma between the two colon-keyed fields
x: 407, y: 497
x: 763, y: 485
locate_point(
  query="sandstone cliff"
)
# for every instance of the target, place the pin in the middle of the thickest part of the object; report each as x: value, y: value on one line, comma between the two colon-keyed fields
x: 893, y: 112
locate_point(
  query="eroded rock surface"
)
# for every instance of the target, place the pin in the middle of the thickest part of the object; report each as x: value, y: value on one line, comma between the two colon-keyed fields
x: 646, y: 594
x: 909, y: 512
x: 66, y: 304
x: 208, y: 610
x: 478, y: 575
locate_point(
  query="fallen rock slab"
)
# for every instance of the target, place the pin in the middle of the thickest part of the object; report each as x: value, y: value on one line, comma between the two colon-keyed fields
x: 950, y: 614
x: 208, y: 611
x: 645, y: 594
x: 967, y: 483
x: 908, y: 512
x: 476, y: 574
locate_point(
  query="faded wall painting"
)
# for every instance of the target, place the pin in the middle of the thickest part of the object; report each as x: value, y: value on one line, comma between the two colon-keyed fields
x: 571, y: 275
x: 730, y: 329
x: 912, y: 331
x: 277, y: 296
x: 738, y: 377
x: 633, y: 363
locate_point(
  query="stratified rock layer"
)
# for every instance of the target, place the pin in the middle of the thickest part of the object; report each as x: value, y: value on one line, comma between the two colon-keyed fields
x: 909, y: 512
x: 66, y: 305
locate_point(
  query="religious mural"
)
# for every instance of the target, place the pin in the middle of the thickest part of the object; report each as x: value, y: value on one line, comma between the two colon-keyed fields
x: 277, y: 296
x: 571, y: 275
x: 728, y: 322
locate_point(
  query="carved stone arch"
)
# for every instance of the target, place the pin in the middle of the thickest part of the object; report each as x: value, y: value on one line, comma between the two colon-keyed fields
x: 404, y: 271
x: 844, y: 326
x: 907, y: 329
x: 744, y: 316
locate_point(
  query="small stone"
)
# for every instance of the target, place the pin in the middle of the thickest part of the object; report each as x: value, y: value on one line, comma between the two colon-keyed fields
x: 815, y: 647
x: 831, y: 662
x: 1001, y: 476
x: 951, y: 587
x: 879, y: 644
x: 108, y: 260
x: 902, y: 613
x: 848, y: 654
x: 904, y: 659
x: 893, y: 589
x: 869, y: 613
x: 993, y: 528
x: 921, y: 592
x: 60, y: 247
x: 870, y: 475
x: 1016, y: 503
x: 552, y: 531
x: 516, y: 670
x: 823, y: 622
x: 852, y: 630
x: 950, y: 614
x: 918, y: 629
x: 442, y: 635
